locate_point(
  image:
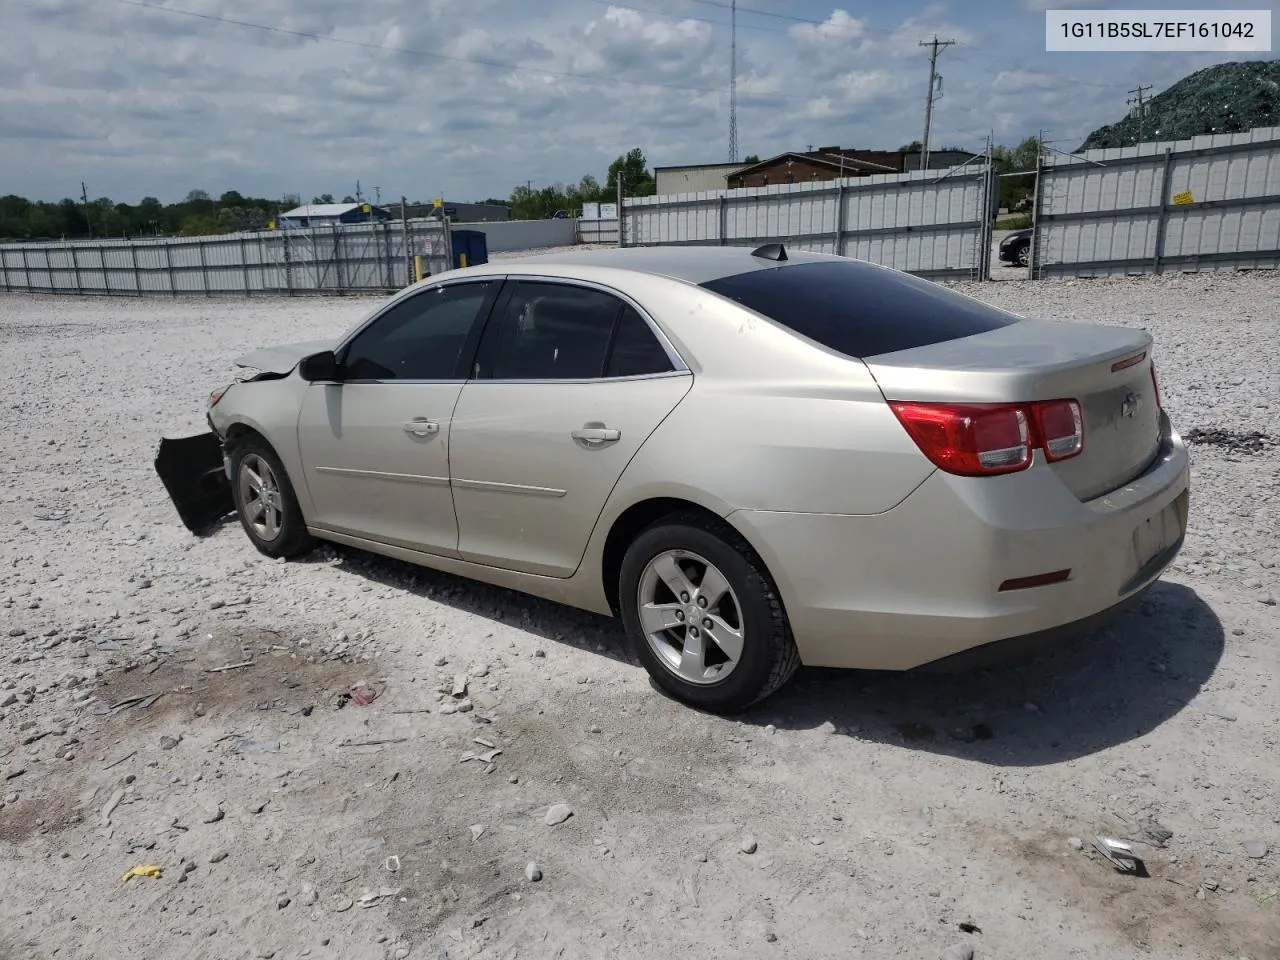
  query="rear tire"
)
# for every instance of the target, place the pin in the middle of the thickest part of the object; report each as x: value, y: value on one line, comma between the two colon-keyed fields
x: 1023, y: 255
x: 265, y: 501
x: 688, y: 568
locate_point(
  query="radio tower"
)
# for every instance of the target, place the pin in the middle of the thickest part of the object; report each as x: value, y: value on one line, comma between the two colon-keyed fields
x: 733, y: 82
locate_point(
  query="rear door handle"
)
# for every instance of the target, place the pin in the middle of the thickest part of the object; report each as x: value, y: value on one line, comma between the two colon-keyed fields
x: 421, y: 428
x: 594, y: 435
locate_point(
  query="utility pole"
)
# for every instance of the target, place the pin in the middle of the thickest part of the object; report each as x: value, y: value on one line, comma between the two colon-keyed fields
x: 931, y: 94
x: 359, y: 199
x: 377, y: 195
x: 1140, y: 99
x: 733, y: 82
x: 88, y: 218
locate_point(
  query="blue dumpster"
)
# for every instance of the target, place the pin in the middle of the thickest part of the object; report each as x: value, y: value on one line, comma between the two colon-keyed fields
x: 470, y: 248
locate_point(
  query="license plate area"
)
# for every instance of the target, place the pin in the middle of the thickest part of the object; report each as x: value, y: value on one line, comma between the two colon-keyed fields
x: 1156, y: 534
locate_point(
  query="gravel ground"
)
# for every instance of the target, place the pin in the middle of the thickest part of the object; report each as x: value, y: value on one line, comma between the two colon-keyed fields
x: 886, y: 816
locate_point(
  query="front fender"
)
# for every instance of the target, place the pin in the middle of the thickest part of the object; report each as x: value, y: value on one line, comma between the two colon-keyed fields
x: 269, y: 408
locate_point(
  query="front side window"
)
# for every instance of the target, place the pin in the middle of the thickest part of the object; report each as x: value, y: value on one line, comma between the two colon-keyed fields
x: 554, y: 331
x: 420, y: 338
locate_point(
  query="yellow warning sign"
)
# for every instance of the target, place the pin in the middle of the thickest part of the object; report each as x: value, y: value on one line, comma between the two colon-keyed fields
x: 438, y: 202
x: 1183, y: 198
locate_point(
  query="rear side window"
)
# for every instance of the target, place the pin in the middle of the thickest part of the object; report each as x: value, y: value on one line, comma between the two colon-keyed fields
x: 859, y: 309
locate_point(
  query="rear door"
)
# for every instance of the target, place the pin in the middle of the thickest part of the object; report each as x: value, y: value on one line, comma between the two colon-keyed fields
x: 571, y: 379
x: 375, y: 444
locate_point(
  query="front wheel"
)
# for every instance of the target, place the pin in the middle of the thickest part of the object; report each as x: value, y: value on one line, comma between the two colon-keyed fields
x: 265, y: 501
x: 703, y: 615
x: 1023, y: 256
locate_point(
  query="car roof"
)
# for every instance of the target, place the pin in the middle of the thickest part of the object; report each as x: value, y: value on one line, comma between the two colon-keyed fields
x: 692, y: 263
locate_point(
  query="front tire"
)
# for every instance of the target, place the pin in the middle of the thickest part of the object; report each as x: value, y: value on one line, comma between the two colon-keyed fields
x: 265, y: 501
x: 703, y: 615
x: 1023, y: 256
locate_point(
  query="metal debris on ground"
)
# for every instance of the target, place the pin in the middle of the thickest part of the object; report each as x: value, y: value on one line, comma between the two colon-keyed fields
x: 1118, y: 853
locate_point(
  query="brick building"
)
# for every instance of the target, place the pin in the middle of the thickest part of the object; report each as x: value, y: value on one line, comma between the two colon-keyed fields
x: 833, y: 163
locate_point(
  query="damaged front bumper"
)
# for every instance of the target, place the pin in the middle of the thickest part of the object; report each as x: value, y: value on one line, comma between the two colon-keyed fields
x: 197, y: 475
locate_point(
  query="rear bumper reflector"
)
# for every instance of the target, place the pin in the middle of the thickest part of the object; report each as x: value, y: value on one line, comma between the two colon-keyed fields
x: 1039, y: 580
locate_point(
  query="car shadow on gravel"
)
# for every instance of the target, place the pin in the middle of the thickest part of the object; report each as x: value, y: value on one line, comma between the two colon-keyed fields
x: 1077, y: 699
x: 542, y: 618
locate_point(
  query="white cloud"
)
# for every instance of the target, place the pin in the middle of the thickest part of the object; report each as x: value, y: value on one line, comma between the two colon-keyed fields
x: 838, y: 28
x: 138, y: 101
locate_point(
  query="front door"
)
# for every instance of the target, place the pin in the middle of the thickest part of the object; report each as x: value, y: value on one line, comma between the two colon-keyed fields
x: 569, y: 382
x: 375, y: 445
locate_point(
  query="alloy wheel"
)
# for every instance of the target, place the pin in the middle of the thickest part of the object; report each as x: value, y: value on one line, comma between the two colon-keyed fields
x: 691, y: 617
x: 260, y: 497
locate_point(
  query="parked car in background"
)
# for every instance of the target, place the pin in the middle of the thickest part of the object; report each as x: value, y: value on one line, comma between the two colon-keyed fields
x: 1016, y: 248
x: 756, y: 459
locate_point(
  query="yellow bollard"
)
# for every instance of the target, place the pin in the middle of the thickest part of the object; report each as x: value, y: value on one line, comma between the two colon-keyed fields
x: 417, y: 267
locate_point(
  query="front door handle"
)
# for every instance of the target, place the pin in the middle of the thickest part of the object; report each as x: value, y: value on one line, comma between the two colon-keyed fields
x: 421, y: 428
x: 595, y: 435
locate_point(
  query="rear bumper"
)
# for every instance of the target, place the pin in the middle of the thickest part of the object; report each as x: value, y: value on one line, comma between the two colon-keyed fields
x: 921, y: 582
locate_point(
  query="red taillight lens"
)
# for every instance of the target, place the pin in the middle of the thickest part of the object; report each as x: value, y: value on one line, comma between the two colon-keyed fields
x: 1061, y: 428
x: 972, y: 440
x: 984, y: 439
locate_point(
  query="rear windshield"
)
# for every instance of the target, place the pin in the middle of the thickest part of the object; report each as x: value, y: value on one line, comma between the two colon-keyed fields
x: 859, y: 309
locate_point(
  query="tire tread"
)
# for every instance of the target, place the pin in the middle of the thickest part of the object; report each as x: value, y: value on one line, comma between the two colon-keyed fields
x: 784, y: 656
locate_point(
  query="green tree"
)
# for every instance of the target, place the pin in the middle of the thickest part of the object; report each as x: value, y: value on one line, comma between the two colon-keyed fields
x: 1023, y: 157
x: 323, y: 198
x: 637, y: 181
x: 201, y: 226
x: 751, y: 158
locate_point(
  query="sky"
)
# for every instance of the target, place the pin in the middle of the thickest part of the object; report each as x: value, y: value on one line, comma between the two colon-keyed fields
x: 468, y: 99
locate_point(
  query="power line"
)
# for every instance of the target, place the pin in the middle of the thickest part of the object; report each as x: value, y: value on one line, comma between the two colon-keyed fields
x: 369, y: 45
x: 779, y: 31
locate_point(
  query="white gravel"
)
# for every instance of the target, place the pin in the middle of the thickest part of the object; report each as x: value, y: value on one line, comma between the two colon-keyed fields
x: 884, y: 811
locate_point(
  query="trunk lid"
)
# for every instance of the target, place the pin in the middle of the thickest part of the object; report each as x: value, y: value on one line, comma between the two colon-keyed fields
x: 1106, y: 369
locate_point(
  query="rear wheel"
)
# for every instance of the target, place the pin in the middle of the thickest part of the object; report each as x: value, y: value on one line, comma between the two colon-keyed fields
x: 703, y: 615
x: 1023, y: 255
x: 265, y: 501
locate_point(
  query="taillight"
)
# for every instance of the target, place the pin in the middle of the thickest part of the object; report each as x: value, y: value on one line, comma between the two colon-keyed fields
x: 1061, y: 428
x: 218, y: 395
x: 1155, y: 385
x: 985, y: 439
x: 972, y: 440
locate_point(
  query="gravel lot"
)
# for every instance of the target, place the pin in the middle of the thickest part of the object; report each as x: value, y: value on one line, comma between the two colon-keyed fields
x: 888, y: 816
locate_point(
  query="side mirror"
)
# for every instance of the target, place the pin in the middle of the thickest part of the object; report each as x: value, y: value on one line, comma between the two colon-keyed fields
x: 319, y: 367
